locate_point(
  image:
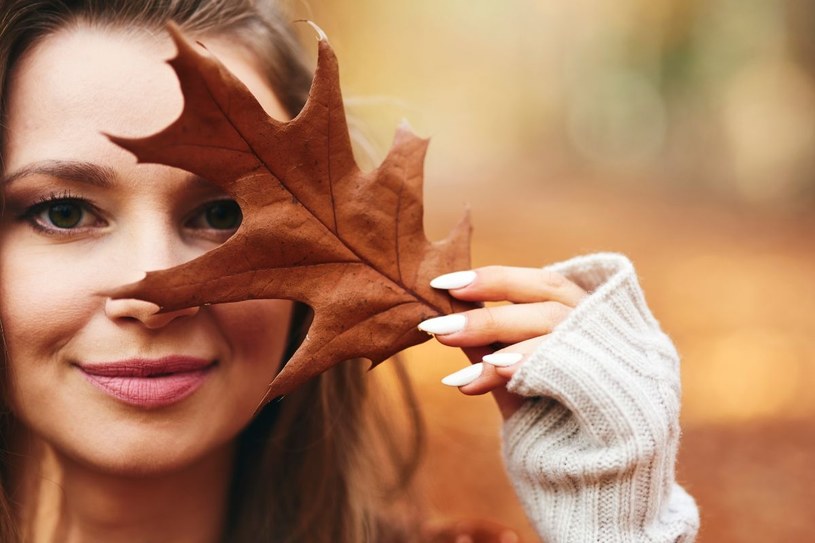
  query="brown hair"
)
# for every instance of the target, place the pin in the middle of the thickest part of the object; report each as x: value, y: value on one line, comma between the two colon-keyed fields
x: 321, y: 464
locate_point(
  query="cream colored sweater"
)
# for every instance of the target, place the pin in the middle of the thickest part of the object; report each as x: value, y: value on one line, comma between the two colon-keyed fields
x: 592, y: 453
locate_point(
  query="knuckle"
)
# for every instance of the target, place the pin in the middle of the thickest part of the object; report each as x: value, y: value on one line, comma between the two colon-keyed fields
x: 554, y: 280
x: 553, y: 312
x: 561, y: 311
x: 489, y: 321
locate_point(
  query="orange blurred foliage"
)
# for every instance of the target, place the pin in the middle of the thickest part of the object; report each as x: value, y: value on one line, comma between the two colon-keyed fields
x: 681, y: 133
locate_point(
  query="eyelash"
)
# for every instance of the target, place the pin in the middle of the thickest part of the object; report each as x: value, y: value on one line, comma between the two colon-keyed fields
x: 44, y: 202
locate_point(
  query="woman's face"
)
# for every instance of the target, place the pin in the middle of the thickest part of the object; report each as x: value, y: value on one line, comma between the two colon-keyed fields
x: 107, y: 382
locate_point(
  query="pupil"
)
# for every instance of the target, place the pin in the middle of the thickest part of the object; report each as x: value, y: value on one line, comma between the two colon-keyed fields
x: 224, y: 215
x: 65, y: 215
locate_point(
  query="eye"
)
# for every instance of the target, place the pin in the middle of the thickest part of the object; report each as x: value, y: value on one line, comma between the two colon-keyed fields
x: 217, y: 215
x: 61, y: 214
x: 65, y: 215
x: 224, y: 215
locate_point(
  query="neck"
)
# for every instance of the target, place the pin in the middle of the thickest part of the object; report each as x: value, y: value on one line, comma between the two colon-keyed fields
x: 64, y: 501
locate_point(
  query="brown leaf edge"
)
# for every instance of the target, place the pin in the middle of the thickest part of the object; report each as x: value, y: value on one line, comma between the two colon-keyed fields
x: 289, y: 377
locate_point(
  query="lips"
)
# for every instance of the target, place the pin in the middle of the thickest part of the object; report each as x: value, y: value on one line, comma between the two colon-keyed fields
x: 149, y: 383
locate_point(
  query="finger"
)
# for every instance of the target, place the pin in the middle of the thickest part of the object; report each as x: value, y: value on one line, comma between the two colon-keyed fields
x: 509, y: 360
x: 507, y: 402
x: 469, y: 531
x: 518, y: 285
x: 496, y: 368
x: 502, y: 324
x: 480, y: 378
x: 493, y: 373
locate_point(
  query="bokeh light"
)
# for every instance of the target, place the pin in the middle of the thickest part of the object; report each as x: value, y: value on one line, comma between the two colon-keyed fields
x: 680, y: 132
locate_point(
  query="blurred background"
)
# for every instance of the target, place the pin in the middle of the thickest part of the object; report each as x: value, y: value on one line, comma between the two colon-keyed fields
x: 681, y: 132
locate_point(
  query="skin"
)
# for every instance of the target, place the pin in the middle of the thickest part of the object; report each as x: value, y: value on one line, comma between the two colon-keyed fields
x: 90, y: 467
x: 97, y: 469
x: 538, y: 299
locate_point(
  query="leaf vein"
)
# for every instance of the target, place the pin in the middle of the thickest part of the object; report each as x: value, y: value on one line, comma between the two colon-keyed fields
x: 397, y: 281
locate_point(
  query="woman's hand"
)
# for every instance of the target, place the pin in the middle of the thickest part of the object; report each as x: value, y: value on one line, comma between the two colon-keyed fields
x: 498, y: 339
x: 468, y: 531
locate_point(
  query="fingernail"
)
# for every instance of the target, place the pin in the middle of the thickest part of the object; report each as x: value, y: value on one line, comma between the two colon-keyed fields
x: 453, y: 280
x: 464, y: 376
x: 444, y: 325
x: 503, y: 359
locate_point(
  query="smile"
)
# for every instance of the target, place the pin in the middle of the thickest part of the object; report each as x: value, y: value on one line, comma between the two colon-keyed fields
x: 149, y: 383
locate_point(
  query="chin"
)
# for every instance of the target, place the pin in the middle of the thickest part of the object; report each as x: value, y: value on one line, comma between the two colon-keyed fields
x: 146, y: 457
x: 114, y: 439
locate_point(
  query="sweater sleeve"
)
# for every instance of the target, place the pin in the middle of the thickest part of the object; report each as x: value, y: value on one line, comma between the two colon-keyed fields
x: 591, y: 454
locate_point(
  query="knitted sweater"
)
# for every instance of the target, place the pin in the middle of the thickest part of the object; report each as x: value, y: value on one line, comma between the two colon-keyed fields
x: 592, y: 453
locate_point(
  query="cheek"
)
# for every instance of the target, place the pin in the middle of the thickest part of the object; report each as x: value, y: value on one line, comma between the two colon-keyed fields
x: 42, y: 304
x: 42, y: 308
x: 256, y: 332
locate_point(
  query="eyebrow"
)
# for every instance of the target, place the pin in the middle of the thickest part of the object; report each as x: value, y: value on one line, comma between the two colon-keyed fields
x: 69, y: 170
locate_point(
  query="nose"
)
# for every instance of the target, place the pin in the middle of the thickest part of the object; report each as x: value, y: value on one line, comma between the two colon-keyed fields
x: 144, y: 312
x: 152, y: 244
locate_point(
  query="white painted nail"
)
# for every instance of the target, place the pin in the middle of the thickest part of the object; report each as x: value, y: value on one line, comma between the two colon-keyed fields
x: 503, y: 359
x: 444, y: 325
x: 453, y: 280
x: 465, y: 376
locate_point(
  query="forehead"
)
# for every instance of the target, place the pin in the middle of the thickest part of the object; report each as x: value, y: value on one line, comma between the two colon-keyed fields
x: 81, y: 81
x: 84, y: 79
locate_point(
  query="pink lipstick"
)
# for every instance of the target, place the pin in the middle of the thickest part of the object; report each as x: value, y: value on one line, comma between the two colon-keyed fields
x: 149, y: 383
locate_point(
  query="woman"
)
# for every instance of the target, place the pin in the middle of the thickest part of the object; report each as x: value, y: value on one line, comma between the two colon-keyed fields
x: 126, y: 425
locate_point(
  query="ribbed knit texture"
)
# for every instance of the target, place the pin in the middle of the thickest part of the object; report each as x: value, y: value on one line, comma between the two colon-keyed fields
x: 592, y: 453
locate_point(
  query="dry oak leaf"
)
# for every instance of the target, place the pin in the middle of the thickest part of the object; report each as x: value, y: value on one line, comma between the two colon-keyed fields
x: 315, y: 228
